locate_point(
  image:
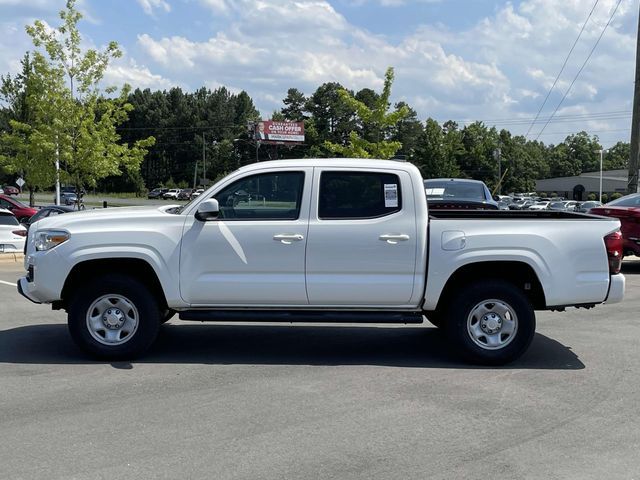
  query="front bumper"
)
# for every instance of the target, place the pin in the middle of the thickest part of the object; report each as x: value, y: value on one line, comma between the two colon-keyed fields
x: 23, y: 284
x: 616, y: 289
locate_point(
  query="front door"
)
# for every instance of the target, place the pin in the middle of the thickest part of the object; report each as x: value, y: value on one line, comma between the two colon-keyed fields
x: 254, y: 253
x: 362, y: 243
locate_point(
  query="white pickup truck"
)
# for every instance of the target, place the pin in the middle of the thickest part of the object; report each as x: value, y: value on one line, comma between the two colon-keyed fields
x: 324, y: 240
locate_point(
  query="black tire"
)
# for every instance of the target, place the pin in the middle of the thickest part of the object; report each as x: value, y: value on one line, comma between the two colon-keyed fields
x: 167, y: 315
x: 435, y: 318
x: 466, y: 331
x: 145, y: 312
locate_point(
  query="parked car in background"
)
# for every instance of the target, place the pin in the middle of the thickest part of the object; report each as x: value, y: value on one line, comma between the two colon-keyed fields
x: 48, y: 211
x: 627, y: 210
x: 68, y: 198
x: 539, y: 206
x: 185, y: 194
x: 197, y: 193
x: 19, y: 209
x: 558, y: 206
x: 458, y: 193
x: 172, y: 194
x: 503, y: 205
x: 522, y: 204
x: 584, y: 207
x: 10, y: 190
x: 12, y: 234
x: 157, y: 193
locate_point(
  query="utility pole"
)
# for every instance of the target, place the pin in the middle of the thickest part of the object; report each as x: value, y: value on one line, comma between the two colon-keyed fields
x: 195, y: 175
x: 497, y: 154
x: 204, y: 160
x: 600, y: 190
x: 634, y: 160
x: 57, y: 172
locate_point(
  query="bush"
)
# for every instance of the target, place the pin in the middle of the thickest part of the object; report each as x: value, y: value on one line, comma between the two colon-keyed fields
x: 605, y: 198
x: 553, y: 194
x: 542, y: 194
x: 592, y: 196
x: 615, y: 196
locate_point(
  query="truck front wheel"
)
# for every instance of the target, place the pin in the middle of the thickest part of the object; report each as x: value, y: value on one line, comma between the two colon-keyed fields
x: 491, y: 322
x: 114, y: 317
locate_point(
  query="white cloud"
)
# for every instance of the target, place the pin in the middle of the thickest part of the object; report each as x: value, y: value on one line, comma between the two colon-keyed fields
x: 500, y: 67
x: 138, y: 76
x: 149, y: 6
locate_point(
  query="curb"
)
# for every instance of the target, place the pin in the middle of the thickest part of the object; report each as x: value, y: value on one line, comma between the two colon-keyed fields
x: 11, y: 257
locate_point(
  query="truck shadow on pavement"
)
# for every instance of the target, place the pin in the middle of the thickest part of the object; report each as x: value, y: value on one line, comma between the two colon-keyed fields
x: 631, y: 267
x: 278, y: 345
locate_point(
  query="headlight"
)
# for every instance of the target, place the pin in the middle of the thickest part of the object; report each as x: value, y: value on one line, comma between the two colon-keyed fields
x: 47, y: 239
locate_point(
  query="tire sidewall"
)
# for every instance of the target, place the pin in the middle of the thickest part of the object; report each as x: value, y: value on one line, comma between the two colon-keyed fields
x: 135, y: 292
x: 467, y: 299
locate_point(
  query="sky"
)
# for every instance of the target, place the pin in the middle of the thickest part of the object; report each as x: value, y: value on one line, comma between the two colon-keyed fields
x: 463, y: 60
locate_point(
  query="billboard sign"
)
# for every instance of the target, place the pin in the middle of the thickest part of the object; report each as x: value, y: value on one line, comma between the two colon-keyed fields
x: 269, y: 131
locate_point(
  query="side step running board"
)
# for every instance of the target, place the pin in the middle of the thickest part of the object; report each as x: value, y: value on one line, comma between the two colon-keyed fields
x: 290, y: 316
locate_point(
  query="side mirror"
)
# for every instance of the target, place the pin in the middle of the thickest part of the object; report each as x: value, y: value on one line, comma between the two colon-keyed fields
x: 208, y: 210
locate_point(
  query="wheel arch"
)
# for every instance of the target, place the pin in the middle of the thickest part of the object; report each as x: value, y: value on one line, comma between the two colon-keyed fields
x: 134, y: 267
x: 520, y: 274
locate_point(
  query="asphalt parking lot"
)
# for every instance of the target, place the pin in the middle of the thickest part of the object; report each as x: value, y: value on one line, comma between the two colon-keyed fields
x: 275, y: 402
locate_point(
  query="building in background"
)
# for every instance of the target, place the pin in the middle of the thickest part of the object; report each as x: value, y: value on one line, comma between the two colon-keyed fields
x: 580, y: 186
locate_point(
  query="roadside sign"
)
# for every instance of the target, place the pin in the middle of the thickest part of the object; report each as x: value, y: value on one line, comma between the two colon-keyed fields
x: 20, y: 182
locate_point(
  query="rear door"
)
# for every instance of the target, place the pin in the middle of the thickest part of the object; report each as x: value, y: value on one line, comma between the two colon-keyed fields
x: 361, y: 249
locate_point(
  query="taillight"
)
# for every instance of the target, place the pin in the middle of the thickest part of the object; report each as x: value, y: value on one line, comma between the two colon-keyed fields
x: 22, y: 233
x: 613, y: 244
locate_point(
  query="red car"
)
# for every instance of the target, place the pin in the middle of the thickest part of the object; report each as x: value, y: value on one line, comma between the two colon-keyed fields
x: 9, y: 190
x: 20, y: 210
x: 627, y: 210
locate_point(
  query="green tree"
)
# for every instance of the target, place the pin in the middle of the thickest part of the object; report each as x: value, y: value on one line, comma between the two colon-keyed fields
x: 74, y: 117
x: 478, y: 160
x: 434, y: 156
x: 617, y: 157
x: 20, y: 155
x: 374, y: 121
x: 407, y: 131
x: 294, y: 110
x: 583, y: 151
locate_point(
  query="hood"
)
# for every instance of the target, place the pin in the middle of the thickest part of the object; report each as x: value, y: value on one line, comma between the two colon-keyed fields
x: 71, y: 221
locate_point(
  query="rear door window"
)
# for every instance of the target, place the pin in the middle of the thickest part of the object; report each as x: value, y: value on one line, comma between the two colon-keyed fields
x: 8, y: 220
x: 358, y: 195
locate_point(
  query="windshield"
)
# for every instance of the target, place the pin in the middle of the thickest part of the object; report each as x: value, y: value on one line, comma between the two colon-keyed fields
x: 628, y: 201
x: 449, y: 189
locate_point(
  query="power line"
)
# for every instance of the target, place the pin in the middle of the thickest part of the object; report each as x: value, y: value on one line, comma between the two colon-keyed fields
x: 582, y: 67
x: 620, y: 114
x: 562, y: 69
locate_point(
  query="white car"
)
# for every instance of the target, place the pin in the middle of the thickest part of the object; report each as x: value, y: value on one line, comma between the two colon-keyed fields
x: 172, y: 194
x: 12, y: 234
x: 540, y: 206
x: 197, y: 193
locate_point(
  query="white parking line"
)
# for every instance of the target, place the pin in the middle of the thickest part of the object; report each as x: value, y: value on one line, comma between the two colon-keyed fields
x: 8, y: 283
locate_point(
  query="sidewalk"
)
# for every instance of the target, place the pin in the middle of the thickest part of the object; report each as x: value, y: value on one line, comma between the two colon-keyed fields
x: 11, y: 257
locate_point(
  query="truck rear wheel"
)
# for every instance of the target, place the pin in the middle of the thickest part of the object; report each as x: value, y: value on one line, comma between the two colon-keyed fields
x: 114, y: 317
x: 491, y: 322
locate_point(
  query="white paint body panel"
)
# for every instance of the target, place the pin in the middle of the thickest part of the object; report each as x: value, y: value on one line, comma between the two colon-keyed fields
x: 339, y: 264
x: 226, y: 263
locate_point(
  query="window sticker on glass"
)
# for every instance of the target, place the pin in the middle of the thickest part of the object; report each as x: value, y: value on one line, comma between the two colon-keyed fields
x: 390, y: 195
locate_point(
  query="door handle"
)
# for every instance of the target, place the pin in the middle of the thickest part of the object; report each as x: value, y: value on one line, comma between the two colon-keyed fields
x: 394, y: 239
x: 288, y: 238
